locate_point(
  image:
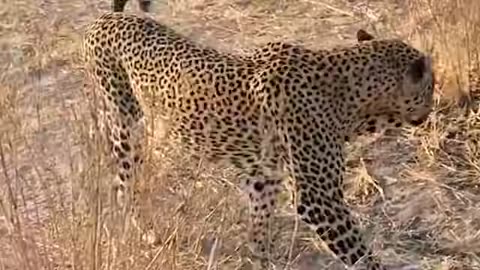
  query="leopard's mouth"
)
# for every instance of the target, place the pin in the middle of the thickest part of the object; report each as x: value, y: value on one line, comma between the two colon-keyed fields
x: 418, y: 121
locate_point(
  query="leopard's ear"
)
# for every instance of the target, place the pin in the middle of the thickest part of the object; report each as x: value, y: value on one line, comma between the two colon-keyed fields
x: 363, y: 35
x: 145, y: 5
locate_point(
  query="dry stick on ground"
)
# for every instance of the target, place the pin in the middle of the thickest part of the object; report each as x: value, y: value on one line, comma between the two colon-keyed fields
x: 341, y: 11
x: 212, y: 254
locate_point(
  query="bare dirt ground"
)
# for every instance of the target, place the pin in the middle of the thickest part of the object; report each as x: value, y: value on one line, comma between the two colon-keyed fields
x: 416, y: 191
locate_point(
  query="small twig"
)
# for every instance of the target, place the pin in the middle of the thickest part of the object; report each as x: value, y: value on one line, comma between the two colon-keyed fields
x: 331, y: 8
x: 212, y: 254
x: 160, y: 249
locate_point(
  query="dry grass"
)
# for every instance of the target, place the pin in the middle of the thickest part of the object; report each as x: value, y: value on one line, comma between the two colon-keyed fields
x: 416, y: 190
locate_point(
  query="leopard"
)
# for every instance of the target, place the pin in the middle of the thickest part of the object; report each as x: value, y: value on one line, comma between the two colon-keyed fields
x: 119, y: 5
x: 284, y: 111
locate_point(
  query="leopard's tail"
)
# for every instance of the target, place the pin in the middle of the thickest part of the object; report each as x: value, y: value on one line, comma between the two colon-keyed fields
x: 119, y: 5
